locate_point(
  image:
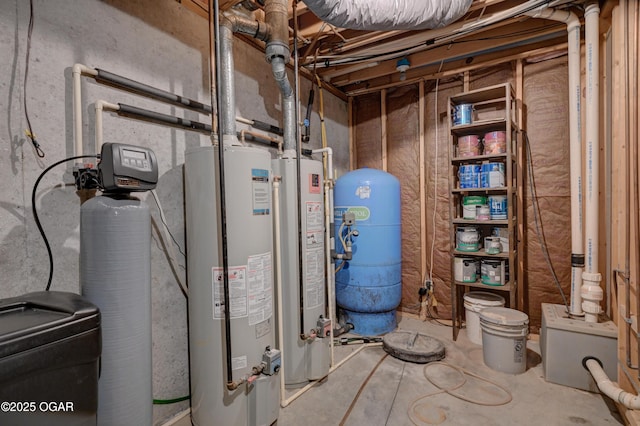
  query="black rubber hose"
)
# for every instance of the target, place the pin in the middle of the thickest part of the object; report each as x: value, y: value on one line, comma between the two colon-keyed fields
x: 35, y: 211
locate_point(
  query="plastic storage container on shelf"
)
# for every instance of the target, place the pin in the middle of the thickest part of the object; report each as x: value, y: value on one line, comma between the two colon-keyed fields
x: 368, y: 287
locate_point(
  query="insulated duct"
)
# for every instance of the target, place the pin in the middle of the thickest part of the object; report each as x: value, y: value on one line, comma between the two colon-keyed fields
x: 389, y: 14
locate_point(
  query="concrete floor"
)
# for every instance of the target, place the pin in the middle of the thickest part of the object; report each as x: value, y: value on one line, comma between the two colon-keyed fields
x: 395, y: 385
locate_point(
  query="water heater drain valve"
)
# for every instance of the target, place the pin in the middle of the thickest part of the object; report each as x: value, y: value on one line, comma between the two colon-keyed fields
x: 272, y: 361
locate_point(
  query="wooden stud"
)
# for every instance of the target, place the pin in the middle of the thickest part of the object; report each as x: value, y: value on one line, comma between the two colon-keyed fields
x: 383, y: 126
x: 423, y: 204
x: 352, y: 135
x: 520, y: 234
x: 465, y: 84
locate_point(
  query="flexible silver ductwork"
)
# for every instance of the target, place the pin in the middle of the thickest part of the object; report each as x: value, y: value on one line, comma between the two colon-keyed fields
x: 383, y: 15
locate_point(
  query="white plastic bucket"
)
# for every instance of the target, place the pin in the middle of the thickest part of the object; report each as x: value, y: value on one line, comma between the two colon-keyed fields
x: 474, y: 303
x: 504, y: 339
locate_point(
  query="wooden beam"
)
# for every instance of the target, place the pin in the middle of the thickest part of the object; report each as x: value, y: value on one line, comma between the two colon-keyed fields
x: 465, y: 82
x: 559, y: 48
x: 352, y: 135
x: 383, y: 126
x: 460, y: 64
x: 459, y: 50
x: 423, y: 203
x: 198, y: 6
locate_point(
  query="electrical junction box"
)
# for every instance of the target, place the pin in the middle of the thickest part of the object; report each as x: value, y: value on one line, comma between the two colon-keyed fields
x: 565, y: 342
x: 349, y: 218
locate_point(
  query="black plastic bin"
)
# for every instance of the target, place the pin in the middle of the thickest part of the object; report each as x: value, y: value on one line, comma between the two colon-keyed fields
x: 49, y: 359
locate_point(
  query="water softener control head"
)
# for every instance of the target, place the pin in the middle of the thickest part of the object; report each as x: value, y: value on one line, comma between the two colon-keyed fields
x: 127, y: 168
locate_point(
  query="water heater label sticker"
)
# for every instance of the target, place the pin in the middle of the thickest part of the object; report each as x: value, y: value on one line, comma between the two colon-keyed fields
x: 239, y: 362
x: 315, y: 215
x: 263, y: 328
x: 315, y: 239
x: 314, y: 183
x: 260, y: 280
x: 260, y: 193
x: 314, y: 295
x: 237, y: 292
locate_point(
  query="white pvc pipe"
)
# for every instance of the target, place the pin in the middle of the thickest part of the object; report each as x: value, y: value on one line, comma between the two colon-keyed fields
x: 575, y: 147
x: 591, y: 291
x: 100, y: 106
x: 278, y: 257
x: 328, y: 211
x: 77, y: 71
x: 610, y: 389
x: 285, y: 402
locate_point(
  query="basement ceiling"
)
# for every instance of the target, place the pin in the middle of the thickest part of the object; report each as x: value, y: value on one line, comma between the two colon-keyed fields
x: 353, y: 62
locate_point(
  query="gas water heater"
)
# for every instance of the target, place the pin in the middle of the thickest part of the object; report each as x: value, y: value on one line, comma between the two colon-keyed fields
x: 250, y: 276
x: 305, y: 358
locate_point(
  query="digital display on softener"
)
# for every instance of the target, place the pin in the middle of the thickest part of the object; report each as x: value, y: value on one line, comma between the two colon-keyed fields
x: 127, y: 168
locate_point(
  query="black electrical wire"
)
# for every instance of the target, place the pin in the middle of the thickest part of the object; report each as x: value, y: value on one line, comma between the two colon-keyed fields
x: 538, y: 220
x: 29, y: 132
x: 167, y: 226
x: 35, y: 211
x: 430, y: 314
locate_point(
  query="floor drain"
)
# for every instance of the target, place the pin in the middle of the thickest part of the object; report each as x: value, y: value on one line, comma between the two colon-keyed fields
x: 413, y: 347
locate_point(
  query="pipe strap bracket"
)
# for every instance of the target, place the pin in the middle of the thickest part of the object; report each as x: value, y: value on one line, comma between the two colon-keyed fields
x: 577, y: 260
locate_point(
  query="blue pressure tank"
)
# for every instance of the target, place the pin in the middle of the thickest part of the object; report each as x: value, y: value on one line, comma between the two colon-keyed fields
x: 369, y: 286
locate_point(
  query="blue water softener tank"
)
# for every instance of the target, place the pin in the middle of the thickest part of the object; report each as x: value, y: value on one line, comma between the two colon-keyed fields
x: 369, y: 286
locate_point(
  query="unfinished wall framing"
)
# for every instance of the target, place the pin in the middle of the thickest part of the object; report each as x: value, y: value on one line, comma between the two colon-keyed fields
x: 545, y: 103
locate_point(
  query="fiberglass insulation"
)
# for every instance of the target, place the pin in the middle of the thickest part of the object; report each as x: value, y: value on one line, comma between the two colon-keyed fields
x: 546, y: 119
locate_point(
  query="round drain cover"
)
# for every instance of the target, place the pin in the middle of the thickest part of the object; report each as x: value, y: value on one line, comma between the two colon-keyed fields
x: 413, y: 346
